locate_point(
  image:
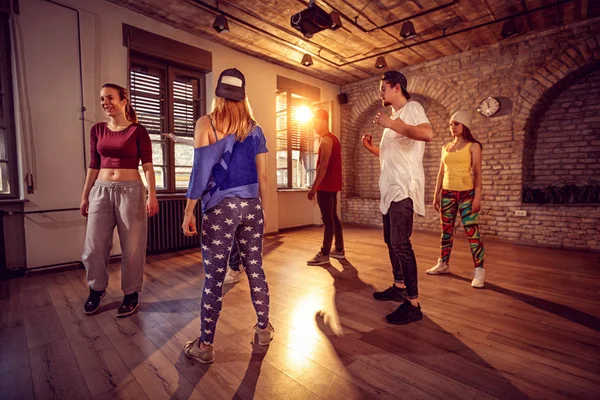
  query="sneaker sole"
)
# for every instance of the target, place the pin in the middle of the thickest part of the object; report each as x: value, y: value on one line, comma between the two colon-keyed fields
x: 404, y: 322
x: 200, y: 360
x: 337, y: 257
x: 477, y: 286
x: 396, y: 300
x: 318, y: 263
x: 187, y: 352
x: 262, y: 343
x: 447, y: 271
x: 127, y: 314
x: 97, y: 308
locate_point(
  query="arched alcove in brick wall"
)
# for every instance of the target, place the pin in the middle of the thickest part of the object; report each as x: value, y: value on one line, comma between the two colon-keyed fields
x: 562, y: 142
x: 556, y: 116
x: 360, y: 198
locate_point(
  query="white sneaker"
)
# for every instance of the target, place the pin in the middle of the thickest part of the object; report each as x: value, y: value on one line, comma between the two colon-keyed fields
x: 479, y: 278
x: 192, y: 350
x: 264, y: 336
x: 441, y: 268
x: 232, y: 276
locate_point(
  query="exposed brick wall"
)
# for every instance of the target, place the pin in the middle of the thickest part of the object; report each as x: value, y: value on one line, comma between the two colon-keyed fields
x: 527, y: 70
x: 565, y: 138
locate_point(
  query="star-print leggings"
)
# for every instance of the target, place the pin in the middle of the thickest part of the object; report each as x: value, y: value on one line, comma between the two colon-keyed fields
x: 232, y: 219
x: 454, y: 202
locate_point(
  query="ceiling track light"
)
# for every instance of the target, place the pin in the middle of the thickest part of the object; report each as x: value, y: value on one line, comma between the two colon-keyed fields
x: 307, y: 60
x: 408, y: 30
x: 509, y: 28
x: 380, y: 62
x: 220, y: 24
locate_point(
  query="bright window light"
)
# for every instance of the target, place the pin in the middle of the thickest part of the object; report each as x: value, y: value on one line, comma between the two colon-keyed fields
x: 303, y: 114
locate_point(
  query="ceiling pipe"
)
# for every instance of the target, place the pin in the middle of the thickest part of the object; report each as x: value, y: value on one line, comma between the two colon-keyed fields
x: 266, y: 33
x: 334, y: 64
x: 447, y: 35
x: 399, y: 21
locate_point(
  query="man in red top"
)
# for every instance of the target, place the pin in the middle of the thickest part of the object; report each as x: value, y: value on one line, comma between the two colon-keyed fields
x: 328, y: 183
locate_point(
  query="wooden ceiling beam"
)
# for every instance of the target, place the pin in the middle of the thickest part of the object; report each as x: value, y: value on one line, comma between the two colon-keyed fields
x: 585, y: 9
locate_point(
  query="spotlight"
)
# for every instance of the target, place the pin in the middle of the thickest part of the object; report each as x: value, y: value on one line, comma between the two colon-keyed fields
x: 408, y: 30
x: 314, y: 19
x: 380, y: 63
x: 509, y: 29
x: 307, y: 60
x: 220, y: 24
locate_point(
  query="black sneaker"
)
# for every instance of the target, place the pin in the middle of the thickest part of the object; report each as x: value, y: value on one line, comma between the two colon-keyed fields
x: 92, y: 304
x: 405, y: 314
x: 129, y: 306
x: 393, y: 293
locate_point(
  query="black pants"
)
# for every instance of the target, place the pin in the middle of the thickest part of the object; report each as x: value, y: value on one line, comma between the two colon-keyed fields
x: 397, y: 228
x: 328, y: 204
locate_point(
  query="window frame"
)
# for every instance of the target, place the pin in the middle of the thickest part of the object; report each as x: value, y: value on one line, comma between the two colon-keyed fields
x: 306, y: 130
x: 7, y: 113
x: 170, y: 71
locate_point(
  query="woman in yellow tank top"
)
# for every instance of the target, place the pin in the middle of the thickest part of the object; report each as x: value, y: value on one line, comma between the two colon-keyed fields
x: 458, y: 190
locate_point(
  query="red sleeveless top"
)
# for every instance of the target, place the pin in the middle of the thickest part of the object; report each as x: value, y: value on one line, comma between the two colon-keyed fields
x: 333, y: 177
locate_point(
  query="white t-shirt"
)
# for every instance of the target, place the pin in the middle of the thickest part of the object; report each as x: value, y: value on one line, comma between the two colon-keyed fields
x: 401, y: 160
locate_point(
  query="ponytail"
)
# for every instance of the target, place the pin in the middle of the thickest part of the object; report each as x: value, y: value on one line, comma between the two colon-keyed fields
x: 130, y: 113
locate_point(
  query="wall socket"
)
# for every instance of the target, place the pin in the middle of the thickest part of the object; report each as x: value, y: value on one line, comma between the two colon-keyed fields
x: 520, y: 213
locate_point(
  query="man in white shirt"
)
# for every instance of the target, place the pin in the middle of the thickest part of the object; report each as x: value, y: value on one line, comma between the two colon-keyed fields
x: 402, y: 184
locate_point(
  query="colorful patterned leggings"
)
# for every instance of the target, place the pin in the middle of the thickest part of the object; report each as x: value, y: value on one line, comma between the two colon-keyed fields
x: 454, y: 202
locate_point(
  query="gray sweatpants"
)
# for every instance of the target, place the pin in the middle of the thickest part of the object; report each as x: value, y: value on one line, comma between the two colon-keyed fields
x: 120, y: 204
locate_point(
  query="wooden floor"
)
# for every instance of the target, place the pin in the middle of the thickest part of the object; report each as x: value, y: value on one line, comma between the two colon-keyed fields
x: 534, y: 332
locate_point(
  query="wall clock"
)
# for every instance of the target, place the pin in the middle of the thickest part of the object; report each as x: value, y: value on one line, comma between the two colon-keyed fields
x: 489, y: 106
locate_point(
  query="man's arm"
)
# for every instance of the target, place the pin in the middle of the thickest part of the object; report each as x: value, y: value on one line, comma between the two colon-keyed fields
x: 421, y: 132
x: 326, y: 147
x: 367, y: 142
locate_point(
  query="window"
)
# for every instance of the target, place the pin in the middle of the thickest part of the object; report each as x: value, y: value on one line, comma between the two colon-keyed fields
x: 297, y: 144
x: 167, y: 99
x: 8, y: 167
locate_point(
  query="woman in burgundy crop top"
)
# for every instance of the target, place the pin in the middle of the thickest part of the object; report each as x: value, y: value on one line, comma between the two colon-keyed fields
x: 114, y: 195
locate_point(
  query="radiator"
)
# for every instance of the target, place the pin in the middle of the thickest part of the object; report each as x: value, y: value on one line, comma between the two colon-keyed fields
x: 164, y: 229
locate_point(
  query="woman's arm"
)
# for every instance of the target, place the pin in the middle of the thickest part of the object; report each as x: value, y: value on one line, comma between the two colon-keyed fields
x: 438, y: 186
x: 201, y: 136
x: 261, y: 168
x: 189, y: 219
x: 90, y: 178
x: 476, y: 168
x: 152, y: 202
x: 201, y: 139
x: 178, y: 139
